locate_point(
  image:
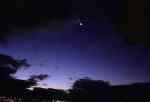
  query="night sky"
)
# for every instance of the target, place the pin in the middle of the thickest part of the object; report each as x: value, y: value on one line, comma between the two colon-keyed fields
x: 75, y: 48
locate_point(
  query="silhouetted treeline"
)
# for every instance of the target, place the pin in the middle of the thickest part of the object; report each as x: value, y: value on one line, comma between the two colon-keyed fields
x: 9, y: 85
x: 49, y: 94
x: 84, y: 89
x: 89, y: 90
x: 100, y: 91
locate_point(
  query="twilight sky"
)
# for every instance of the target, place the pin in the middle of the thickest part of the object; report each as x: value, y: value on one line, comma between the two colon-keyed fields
x: 74, y: 49
x: 79, y: 41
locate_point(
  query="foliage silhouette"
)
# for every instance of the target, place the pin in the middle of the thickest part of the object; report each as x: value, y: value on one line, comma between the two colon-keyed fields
x: 84, y: 89
x: 8, y: 67
x: 89, y: 90
x: 100, y: 91
x: 49, y: 94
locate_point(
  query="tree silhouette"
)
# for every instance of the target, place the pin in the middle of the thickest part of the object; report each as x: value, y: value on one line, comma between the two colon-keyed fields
x: 8, y: 67
x: 89, y: 90
x: 49, y: 94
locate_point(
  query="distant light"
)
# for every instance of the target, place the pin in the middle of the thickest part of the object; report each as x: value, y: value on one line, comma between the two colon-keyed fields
x: 81, y: 24
x: 31, y: 88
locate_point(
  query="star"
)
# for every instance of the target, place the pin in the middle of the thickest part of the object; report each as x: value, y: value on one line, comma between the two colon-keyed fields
x: 80, y: 23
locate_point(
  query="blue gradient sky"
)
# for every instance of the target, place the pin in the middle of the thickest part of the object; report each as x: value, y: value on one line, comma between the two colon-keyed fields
x: 74, y: 51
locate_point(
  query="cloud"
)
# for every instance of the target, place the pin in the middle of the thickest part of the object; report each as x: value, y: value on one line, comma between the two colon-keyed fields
x: 39, y: 77
x: 26, y: 14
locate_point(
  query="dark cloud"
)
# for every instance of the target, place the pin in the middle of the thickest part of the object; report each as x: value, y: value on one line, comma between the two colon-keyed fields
x: 25, y: 14
x: 38, y: 77
x: 44, y: 84
x: 70, y: 78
